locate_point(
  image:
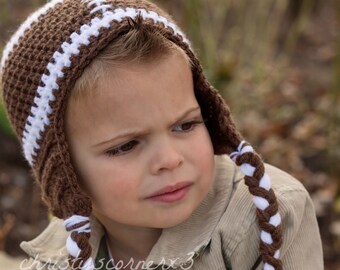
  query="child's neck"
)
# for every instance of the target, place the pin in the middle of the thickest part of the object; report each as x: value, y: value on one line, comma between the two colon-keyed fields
x: 128, y: 242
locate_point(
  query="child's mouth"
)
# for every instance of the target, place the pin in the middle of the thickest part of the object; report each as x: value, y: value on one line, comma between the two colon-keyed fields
x: 172, y: 196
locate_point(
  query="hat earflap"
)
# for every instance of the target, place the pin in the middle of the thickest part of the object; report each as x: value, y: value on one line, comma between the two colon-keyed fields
x: 67, y: 201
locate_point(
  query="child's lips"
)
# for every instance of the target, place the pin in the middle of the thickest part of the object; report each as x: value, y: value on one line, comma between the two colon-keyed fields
x: 171, y: 193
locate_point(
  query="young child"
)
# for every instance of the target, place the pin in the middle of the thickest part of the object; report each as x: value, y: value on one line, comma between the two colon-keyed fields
x: 135, y: 151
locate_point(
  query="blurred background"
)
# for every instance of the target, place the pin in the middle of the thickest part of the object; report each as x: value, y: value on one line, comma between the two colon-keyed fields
x: 277, y: 64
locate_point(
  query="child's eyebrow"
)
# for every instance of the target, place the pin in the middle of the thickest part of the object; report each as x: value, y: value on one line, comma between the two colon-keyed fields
x: 137, y: 133
x: 186, y: 113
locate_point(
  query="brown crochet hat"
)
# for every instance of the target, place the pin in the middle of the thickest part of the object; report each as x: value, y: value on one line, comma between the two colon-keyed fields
x: 39, y: 67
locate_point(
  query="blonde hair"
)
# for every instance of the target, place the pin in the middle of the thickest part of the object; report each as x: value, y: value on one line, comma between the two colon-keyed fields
x: 139, y: 44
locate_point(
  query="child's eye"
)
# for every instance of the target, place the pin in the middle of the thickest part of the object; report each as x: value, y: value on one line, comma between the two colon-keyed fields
x: 187, y: 126
x: 122, y: 149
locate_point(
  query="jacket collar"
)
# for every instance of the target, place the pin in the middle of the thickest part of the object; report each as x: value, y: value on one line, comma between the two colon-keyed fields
x: 176, y: 246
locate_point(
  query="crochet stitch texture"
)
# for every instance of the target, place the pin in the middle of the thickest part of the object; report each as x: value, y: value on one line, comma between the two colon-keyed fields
x: 39, y: 68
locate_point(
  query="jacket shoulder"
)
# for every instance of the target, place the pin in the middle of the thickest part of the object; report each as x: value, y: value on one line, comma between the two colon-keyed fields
x: 48, y: 248
x: 289, y: 191
x: 282, y: 182
x: 239, y: 230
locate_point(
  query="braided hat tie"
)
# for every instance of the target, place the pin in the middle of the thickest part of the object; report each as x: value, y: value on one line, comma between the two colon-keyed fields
x: 270, y: 219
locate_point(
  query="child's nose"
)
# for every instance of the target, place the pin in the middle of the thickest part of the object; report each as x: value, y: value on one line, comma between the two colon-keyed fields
x: 166, y: 157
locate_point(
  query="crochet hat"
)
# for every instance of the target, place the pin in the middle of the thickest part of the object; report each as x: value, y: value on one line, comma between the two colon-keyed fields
x: 39, y: 67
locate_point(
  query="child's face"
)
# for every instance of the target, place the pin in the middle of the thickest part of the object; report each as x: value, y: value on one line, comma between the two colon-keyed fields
x: 150, y: 121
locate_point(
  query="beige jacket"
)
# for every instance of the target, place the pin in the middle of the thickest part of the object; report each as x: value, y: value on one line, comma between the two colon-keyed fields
x: 221, y: 234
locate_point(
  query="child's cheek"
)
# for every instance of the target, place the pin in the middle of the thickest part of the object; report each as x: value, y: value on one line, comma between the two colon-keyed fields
x: 204, y: 146
x: 115, y: 193
x: 122, y: 185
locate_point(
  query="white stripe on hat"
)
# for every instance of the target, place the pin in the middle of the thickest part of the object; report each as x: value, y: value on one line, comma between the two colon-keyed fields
x: 27, y: 24
x: 41, y: 109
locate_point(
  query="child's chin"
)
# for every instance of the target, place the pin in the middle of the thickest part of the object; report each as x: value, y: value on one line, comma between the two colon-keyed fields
x: 172, y: 220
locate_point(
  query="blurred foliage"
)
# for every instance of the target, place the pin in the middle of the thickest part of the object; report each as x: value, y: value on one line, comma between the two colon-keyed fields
x: 239, y: 39
x: 335, y: 95
x: 4, y: 123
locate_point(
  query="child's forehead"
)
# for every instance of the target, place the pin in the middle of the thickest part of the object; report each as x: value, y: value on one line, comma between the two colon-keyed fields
x: 120, y: 75
x: 158, y: 92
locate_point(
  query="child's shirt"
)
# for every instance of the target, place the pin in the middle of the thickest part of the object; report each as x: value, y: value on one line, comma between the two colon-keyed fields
x: 222, y: 233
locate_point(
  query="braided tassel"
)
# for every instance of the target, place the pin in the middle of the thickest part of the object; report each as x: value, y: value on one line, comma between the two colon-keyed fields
x: 79, y: 228
x: 265, y: 201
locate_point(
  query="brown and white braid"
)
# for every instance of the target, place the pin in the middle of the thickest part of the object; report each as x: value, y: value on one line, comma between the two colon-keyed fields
x: 269, y: 219
x: 77, y: 242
